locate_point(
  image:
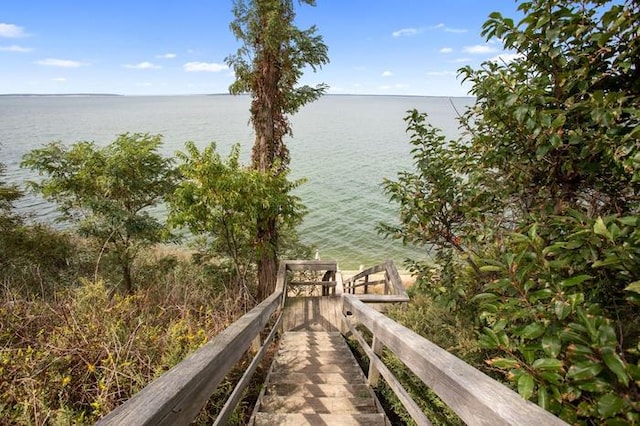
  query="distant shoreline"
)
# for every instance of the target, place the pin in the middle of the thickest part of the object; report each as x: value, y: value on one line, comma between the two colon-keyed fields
x: 28, y: 95
x: 81, y: 95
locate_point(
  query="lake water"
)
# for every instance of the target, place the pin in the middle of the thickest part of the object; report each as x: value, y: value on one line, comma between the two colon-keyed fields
x: 343, y: 145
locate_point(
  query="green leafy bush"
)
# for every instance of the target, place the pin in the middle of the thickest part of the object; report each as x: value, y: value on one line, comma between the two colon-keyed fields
x: 107, y: 191
x: 534, y: 214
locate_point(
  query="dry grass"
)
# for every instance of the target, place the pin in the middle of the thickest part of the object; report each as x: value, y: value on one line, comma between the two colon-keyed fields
x: 73, y: 357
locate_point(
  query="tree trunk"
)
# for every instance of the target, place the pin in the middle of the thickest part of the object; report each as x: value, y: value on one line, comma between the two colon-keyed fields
x: 268, y: 259
x: 126, y: 276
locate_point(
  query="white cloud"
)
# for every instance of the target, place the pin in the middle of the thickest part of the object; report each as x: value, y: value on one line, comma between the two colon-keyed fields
x: 204, y: 66
x: 480, y: 49
x: 405, y: 32
x: 11, y: 31
x: 15, y: 48
x: 62, y: 63
x: 143, y: 66
x: 167, y: 56
x: 446, y: 50
x: 506, y: 57
x: 447, y: 29
x: 387, y: 74
x: 60, y: 79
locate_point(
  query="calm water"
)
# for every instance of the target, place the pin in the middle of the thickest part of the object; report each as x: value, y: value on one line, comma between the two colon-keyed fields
x: 343, y: 145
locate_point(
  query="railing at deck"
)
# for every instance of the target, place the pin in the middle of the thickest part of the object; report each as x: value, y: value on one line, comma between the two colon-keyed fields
x: 366, y: 284
x: 178, y: 396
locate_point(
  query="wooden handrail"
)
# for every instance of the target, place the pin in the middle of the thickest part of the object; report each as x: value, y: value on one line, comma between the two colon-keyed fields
x: 475, y: 397
x: 330, y: 286
x: 176, y: 397
x: 392, y: 284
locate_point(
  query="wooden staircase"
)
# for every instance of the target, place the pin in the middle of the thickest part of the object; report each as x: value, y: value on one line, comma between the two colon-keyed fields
x: 314, y: 379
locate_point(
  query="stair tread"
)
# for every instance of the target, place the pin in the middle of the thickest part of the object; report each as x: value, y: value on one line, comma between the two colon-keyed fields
x: 296, y: 419
x: 318, y: 390
x: 315, y: 379
x: 292, y: 377
x: 309, y: 368
x: 320, y: 405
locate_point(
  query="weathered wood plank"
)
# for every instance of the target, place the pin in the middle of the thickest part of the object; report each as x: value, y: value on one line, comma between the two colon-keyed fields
x: 340, y: 283
x: 310, y: 265
x: 369, y: 283
x: 395, y: 279
x: 320, y: 392
x: 392, y: 281
x: 376, y: 365
x: 312, y: 313
x: 474, y: 396
x: 320, y: 405
x: 297, y: 419
x: 306, y: 283
x: 235, y: 397
x: 368, y: 271
x: 381, y: 298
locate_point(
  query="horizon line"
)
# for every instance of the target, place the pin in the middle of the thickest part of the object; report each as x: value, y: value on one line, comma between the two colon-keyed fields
x: 98, y: 94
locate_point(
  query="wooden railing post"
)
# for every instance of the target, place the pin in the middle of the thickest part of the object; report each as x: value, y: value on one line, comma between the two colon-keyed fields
x: 374, y: 374
x: 366, y: 286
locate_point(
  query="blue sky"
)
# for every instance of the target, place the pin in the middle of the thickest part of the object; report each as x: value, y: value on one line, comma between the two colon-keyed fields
x: 134, y: 47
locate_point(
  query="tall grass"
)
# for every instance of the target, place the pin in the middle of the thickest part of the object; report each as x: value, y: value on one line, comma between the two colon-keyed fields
x: 72, y: 347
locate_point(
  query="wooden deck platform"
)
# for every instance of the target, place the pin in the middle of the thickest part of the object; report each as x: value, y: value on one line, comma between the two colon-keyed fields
x: 313, y: 313
x: 315, y: 380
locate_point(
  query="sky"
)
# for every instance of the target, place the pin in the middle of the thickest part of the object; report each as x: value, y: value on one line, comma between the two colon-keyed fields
x: 178, y: 47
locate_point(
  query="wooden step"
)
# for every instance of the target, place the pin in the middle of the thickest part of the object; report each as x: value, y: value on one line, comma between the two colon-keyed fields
x: 318, y: 390
x: 317, y: 378
x: 309, y: 368
x: 296, y: 419
x: 320, y: 405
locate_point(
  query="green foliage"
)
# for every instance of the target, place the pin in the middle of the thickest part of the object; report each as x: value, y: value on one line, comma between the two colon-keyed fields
x: 568, y: 108
x: 546, y: 315
x: 8, y: 194
x: 38, y: 261
x: 108, y: 190
x: 431, y: 199
x: 33, y: 258
x: 221, y: 200
x: 535, y: 213
x: 8, y: 219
